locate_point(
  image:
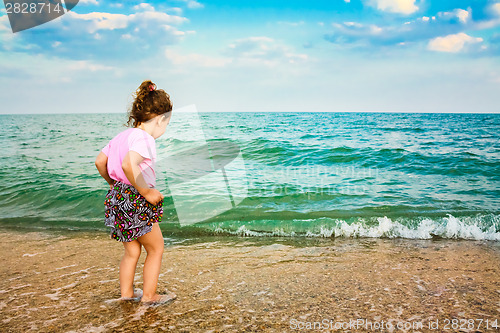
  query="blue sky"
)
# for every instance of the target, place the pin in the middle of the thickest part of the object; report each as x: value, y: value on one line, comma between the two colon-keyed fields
x: 337, y: 55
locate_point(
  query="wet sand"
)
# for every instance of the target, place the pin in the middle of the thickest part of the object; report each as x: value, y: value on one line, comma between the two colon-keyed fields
x: 53, y: 282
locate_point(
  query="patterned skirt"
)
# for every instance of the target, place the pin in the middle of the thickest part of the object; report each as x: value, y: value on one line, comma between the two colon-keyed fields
x: 128, y: 213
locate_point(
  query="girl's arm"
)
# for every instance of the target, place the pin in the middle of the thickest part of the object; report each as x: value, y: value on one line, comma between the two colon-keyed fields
x: 130, y: 166
x: 101, y: 164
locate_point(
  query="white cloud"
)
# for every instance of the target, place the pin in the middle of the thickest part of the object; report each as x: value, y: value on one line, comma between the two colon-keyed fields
x: 452, y: 43
x: 251, y: 51
x: 419, y: 29
x: 195, y: 59
x: 192, y: 4
x: 351, y: 24
x: 394, y: 6
x: 8, y: 40
x: 494, y: 20
x: 43, y: 69
x: 249, y: 43
x: 97, y: 32
x: 4, y: 23
x: 173, y: 31
x: 144, y: 6
x: 356, y: 29
x: 89, y: 2
x: 159, y: 17
x: 176, y: 10
x: 262, y: 50
x: 96, y: 21
x: 101, y: 21
x: 463, y: 16
x: 495, y: 8
x: 85, y: 65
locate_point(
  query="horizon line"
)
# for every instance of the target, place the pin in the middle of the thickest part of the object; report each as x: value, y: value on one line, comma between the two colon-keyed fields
x: 125, y: 113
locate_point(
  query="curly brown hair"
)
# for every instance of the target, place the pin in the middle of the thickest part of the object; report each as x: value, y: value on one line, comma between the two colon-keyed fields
x: 148, y: 103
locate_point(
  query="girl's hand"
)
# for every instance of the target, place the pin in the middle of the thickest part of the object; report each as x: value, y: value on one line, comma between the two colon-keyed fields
x: 110, y: 186
x: 153, y: 196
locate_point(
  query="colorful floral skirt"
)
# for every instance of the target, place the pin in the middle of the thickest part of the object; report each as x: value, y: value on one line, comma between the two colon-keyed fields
x: 128, y: 213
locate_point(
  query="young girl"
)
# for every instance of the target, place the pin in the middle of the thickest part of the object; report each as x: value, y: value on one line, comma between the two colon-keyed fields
x: 133, y: 207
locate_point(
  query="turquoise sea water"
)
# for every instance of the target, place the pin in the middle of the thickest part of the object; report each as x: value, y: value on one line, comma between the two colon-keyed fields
x: 405, y: 175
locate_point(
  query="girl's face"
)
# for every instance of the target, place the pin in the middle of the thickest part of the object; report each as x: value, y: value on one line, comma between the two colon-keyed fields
x: 161, y: 123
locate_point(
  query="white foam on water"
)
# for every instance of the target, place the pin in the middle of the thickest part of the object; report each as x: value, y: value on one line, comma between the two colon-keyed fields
x: 385, y: 228
x: 32, y: 254
x: 457, y: 229
x: 449, y: 227
x: 19, y: 287
x: 86, y: 270
x: 58, y: 268
x: 244, y: 231
x: 204, y: 288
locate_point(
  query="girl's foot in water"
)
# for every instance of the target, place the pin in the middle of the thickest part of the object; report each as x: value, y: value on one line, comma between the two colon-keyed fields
x: 137, y: 296
x: 159, y: 299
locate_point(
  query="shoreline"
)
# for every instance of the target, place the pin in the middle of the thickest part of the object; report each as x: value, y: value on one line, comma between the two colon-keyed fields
x: 69, y: 282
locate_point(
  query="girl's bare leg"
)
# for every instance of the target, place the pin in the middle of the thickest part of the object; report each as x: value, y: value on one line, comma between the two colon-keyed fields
x: 153, y: 243
x: 127, y: 267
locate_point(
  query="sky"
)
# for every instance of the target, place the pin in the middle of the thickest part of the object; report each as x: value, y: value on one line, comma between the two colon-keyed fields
x: 258, y: 56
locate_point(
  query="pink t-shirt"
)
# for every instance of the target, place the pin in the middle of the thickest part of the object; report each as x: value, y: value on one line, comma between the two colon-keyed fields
x: 139, y: 141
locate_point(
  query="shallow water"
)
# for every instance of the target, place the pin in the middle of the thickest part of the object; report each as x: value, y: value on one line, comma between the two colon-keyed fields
x: 70, y: 283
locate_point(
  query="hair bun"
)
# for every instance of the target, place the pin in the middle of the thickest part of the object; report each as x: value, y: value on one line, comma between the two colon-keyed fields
x: 146, y: 105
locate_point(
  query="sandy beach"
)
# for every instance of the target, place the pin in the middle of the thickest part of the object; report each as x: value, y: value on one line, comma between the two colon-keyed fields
x: 68, y: 282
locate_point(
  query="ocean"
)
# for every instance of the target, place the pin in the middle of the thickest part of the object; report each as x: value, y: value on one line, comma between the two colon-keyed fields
x: 309, y: 174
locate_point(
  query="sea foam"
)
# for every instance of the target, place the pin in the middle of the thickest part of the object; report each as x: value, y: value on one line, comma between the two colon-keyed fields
x: 449, y: 227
